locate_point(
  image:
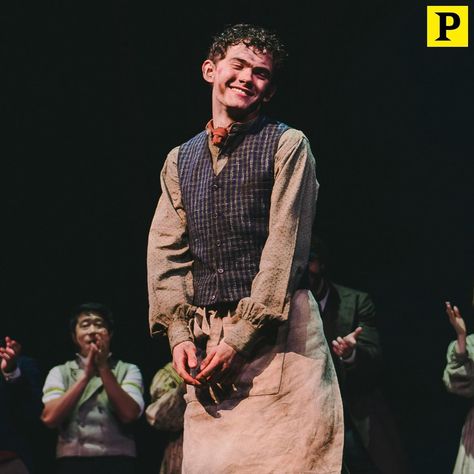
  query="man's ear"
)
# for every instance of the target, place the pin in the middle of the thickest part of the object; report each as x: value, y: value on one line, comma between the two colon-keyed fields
x: 208, y: 70
x: 269, y: 93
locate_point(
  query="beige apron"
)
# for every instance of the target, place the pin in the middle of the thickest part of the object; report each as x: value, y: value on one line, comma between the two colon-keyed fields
x: 284, y: 414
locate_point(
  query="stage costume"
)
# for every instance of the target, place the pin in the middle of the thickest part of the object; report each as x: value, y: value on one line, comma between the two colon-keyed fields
x: 228, y: 249
x: 459, y: 379
x: 92, y: 430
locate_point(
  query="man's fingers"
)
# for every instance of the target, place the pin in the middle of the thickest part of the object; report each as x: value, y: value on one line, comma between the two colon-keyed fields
x: 184, y: 357
x: 336, y: 344
x: 205, y: 362
x: 208, y: 371
x: 456, y: 312
x: 181, y: 371
x: 357, y: 332
x: 92, y: 352
x: 191, y: 357
x: 449, y: 310
x: 336, y: 348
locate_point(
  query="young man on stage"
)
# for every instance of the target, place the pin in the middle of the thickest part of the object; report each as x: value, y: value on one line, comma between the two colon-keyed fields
x: 227, y: 253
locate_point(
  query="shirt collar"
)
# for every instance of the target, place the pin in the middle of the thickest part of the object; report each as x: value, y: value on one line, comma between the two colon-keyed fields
x: 234, y: 129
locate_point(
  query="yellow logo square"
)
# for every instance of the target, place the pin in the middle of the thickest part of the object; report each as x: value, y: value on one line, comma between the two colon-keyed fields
x: 447, y: 26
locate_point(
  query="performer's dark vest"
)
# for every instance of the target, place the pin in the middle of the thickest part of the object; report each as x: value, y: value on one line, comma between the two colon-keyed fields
x: 228, y: 214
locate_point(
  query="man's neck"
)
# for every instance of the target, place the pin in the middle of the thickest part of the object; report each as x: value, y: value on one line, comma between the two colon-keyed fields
x: 225, y: 118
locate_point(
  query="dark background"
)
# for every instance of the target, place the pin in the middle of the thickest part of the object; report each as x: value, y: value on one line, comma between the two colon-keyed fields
x: 96, y: 94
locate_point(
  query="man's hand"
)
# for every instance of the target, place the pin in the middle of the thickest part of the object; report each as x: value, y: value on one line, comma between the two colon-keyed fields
x: 89, y: 365
x: 344, y: 346
x: 9, y: 355
x: 102, y: 345
x: 459, y: 326
x: 184, y: 360
x: 221, y: 362
x: 455, y: 319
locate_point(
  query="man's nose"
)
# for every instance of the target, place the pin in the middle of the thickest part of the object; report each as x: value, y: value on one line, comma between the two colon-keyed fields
x: 245, y: 75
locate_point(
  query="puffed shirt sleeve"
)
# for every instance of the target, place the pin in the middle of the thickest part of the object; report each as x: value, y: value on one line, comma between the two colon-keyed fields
x: 285, y: 254
x: 132, y: 384
x: 54, y: 385
x: 458, y: 375
x: 169, y: 261
x: 166, y: 410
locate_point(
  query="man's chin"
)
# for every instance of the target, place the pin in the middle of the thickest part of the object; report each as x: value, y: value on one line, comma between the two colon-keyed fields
x: 241, y: 113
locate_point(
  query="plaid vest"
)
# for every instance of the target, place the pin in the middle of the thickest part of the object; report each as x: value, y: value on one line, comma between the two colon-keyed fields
x: 228, y: 214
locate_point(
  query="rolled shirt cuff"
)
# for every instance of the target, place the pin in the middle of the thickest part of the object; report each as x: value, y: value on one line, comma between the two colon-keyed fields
x: 351, y: 359
x: 12, y: 376
x: 243, y: 337
x: 178, y: 332
x: 457, y: 358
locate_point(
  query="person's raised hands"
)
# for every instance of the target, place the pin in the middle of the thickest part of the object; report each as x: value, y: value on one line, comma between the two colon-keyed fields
x: 455, y: 319
x: 459, y: 326
x: 344, y: 346
x: 9, y: 355
x: 102, y: 345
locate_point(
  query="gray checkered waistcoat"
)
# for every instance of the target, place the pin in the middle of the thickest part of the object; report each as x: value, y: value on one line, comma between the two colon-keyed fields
x: 228, y: 214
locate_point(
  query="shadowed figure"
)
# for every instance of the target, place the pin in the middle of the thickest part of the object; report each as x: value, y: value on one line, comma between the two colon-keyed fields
x: 371, y: 441
x: 20, y: 408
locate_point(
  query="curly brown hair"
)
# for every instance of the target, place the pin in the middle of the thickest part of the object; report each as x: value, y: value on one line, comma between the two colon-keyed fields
x: 261, y: 39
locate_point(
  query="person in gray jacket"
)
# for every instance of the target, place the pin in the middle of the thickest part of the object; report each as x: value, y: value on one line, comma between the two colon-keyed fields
x: 93, y: 399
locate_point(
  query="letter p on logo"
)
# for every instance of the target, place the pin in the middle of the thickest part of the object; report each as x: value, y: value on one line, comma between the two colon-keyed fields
x: 447, y: 26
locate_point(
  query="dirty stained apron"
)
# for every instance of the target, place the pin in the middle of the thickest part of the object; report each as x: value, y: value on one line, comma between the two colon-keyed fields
x: 284, y: 412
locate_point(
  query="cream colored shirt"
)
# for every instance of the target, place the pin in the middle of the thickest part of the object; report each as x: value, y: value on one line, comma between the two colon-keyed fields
x: 284, y: 256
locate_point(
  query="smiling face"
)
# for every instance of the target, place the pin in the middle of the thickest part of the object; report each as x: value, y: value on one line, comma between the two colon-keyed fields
x: 90, y: 328
x: 241, y: 82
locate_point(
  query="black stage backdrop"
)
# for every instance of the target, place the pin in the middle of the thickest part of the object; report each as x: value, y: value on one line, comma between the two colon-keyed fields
x: 96, y: 94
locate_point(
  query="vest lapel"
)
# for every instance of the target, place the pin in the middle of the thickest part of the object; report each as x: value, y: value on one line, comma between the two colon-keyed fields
x: 95, y: 383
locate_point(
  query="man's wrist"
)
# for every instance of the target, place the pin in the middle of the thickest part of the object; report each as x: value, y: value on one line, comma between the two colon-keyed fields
x: 243, y: 337
x: 103, y: 369
x: 12, y: 375
x: 178, y: 332
x: 460, y: 346
x: 349, y: 359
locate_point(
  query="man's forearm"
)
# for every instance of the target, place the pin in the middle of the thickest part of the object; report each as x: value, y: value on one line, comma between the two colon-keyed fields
x: 461, y: 344
x: 125, y: 406
x: 56, y: 411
